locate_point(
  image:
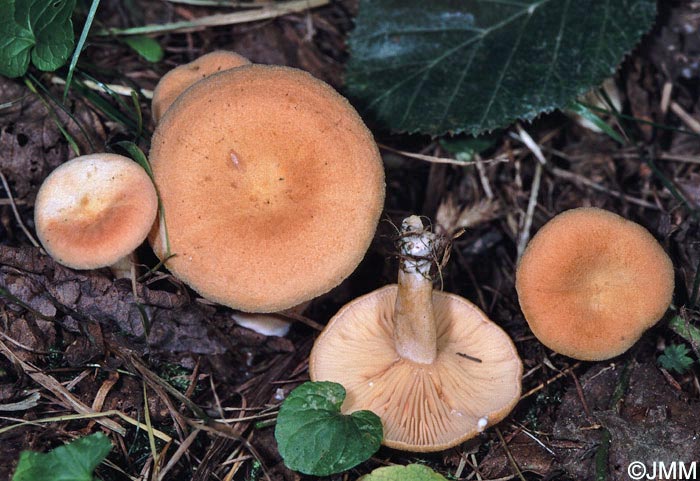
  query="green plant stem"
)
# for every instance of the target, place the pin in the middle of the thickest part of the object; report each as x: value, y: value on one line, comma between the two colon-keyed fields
x: 79, y: 46
x: 69, y: 138
x: 63, y: 108
x: 601, y: 457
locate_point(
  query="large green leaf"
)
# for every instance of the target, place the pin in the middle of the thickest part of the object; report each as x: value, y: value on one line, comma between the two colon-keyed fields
x: 475, y: 65
x: 313, y: 437
x: 72, y: 462
x: 38, y: 29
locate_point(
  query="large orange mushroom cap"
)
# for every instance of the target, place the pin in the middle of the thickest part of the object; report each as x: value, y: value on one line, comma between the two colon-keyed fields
x: 176, y: 81
x: 591, y: 282
x: 271, y: 184
x: 95, y: 209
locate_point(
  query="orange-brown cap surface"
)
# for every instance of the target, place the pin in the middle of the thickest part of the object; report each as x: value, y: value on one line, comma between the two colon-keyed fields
x: 271, y: 184
x: 591, y: 282
x: 473, y: 382
x: 94, y: 210
x: 176, y: 81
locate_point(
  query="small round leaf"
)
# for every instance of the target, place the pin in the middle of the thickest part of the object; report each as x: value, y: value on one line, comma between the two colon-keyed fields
x: 412, y: 472
x: 315, y: 438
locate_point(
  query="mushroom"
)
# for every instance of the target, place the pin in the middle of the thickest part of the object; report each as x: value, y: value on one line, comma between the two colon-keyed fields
x: 430, y: 364
x: 176, y: 81
x: 591, y: 282
x: 92, y: 211
x: 271, y: 187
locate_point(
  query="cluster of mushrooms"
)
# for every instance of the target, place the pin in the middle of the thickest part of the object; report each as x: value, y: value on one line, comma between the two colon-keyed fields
x: 271, y: 187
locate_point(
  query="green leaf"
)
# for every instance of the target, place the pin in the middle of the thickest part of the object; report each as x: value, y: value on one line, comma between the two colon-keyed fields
x: 148, y: 48
x: 466, y: 148
x: 72, y: 462
x: 314, y: 438
x: 15, y: 43
x: 686, y: 330
x: 38, y: 29
x: 412, y: 472
x: 583, y: 110
x: 476, y: 65
x: 675, y: 358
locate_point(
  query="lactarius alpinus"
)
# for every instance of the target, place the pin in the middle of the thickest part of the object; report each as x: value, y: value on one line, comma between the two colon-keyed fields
x: 179, y: 79
x: 271, y: 187
x: 434, y: 368
x: 94, y: 210
x: 591, y: 282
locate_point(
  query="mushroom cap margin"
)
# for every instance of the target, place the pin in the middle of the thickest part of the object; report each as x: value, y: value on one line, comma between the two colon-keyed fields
x: 177, y: 80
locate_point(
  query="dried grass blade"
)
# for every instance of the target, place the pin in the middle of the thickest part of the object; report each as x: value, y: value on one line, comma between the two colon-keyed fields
x: 270, y: 11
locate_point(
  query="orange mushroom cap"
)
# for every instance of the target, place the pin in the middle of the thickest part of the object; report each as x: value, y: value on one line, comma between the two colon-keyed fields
x: 591, y: 282
x: 176, y: 81
x: 271, y: 185
x: 93, y: 210
x: 431, y: 365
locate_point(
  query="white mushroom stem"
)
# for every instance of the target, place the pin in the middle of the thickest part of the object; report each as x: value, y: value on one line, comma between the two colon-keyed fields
x: 265, y: 324
x: 124, y: 268
x: 414, y: 321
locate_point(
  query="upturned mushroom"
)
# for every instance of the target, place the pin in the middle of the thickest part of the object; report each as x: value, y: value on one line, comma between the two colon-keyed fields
x: 94, y: 210
x: 176, y: 81
x: 271, y: 186
x: 431, y: 365
x: 591, y: 282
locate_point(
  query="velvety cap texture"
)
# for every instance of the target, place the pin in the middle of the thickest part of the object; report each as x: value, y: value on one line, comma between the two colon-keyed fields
x: 591, y: 282
x: 271, y: 184
x: 95, y: 209
x: 176, y: 81
x: 473, y: 383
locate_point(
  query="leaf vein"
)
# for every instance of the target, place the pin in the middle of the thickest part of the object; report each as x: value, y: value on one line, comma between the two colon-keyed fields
x: 449, y: 52
x: 499, y: 83
x: 555, y: 55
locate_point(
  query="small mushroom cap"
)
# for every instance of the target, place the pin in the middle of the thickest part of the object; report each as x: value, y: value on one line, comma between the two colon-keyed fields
x: 176, y: 81
x: 591, y: 282
x: 423, y: 407
x: 271, y: 184
x: 93, y: 210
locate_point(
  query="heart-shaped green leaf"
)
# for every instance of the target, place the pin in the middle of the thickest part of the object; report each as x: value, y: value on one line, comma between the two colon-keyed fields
x: 38, y: 29
x: 148, y: 48
x: 315, y: 438
x: 72, y: 462
x: 476, y: 65
x: 412, y: 472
